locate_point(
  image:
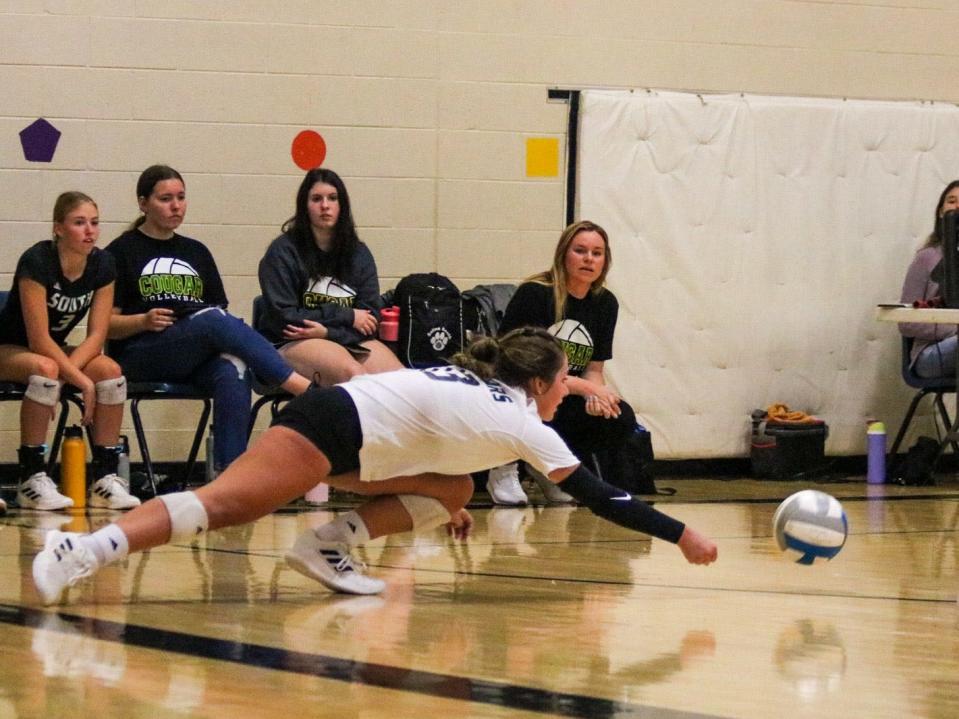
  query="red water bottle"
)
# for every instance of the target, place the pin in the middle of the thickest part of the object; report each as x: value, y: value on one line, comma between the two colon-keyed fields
x: 390, y: 324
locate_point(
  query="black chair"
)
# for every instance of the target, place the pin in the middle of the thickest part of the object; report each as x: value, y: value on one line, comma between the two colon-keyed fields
x: 268, y: 396
x: 14, y: 392
x: 937, y: 386
x: 138, y: 392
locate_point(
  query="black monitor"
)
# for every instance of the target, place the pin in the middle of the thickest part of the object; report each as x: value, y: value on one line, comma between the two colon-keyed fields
x: 950, y: 259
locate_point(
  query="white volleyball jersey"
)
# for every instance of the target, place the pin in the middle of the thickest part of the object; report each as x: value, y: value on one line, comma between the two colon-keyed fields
x: 447, y: 420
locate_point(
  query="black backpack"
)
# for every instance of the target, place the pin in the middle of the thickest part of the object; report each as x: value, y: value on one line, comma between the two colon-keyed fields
x: 435, y: 323
x: 631, y: 466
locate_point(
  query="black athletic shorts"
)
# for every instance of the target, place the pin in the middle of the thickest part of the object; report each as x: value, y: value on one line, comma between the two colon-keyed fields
x: 327, y: 417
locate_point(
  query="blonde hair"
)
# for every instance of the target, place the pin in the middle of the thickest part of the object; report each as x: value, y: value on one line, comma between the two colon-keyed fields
x: 66, y: 203
x: 557, y: 278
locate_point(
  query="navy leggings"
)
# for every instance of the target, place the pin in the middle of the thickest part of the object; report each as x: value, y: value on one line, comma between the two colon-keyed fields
x: 192, y: 350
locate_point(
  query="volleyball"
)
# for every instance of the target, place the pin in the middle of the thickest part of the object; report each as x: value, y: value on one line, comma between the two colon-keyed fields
x: 571, y: 331
x: 811, y: 524
x: 167, y: 266
x: 331, y: 287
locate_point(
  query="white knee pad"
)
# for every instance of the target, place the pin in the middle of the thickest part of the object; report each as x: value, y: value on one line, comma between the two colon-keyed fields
x: 43, y: 390
x: 112, y: 391
x: 426, y: 512
x: 188, y: 517
x: 237, y: 362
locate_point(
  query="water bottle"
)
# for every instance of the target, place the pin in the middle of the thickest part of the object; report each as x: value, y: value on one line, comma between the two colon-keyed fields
x: 210, y: 471
x: 123, y: 459
x: 876, y: 453
x: 73, y: 467
x: 390, y: 324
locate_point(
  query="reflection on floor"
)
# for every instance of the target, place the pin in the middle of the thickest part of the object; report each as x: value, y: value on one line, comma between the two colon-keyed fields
x: 545, y: 610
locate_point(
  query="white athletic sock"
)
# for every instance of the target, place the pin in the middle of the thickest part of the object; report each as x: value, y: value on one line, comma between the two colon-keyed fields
x: 108, y: 545
x: 349, y: 528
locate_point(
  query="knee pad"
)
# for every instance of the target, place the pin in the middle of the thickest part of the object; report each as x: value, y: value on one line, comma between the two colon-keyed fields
x: 112, y: 391
x: 43, y: 390
x: 426, y: 512
x: 188, y: 517
x: 236, y: 362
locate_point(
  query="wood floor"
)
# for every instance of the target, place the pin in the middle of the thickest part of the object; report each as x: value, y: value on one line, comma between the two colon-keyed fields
x: 545, y: 611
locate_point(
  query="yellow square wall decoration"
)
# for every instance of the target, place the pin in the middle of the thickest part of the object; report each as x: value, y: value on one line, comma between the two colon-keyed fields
x: 542, y: 156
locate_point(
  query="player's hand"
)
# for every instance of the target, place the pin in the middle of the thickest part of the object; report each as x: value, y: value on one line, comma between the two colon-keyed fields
x: 89, y: 394
x: 460, y: 525
x: 158, y: 319
x: 308, y: 331
x: 364, y: 322
x: 696, y: 548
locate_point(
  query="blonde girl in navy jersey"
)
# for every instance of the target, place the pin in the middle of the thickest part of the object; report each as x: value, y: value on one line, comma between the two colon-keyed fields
x: 56, y: 284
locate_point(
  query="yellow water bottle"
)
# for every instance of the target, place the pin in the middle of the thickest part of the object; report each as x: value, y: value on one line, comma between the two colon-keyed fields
x: 73, y: 467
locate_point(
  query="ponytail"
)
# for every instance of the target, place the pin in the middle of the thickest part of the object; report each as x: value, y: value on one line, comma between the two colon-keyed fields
x: 516, y: 358
x: 479, y: 357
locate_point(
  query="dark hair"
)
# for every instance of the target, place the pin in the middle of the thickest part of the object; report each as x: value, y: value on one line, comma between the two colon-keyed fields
x: 556, y: 276
x: 935, y: 239
x: 336, y: 261
x: 516, y: 358
x: 66, y: 202
x: 148, y: 180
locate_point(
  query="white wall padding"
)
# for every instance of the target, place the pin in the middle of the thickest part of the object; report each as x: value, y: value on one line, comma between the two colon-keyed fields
x: 752, y: 238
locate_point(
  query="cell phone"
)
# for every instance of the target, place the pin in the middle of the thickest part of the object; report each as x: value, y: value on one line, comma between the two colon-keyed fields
x: 358, y: 350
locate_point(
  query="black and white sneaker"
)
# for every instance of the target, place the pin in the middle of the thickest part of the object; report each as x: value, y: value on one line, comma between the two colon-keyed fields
x: 112, y: 492
x: 39, y: 492
x: 331, y: 564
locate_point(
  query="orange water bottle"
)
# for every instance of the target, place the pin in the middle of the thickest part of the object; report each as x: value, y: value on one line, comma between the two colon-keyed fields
x: 73, y: 467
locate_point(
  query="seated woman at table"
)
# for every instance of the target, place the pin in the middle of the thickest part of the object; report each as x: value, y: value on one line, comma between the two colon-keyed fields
x: 934, y: 345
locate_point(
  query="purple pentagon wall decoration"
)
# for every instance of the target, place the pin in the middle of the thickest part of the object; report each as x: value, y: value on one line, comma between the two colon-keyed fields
x: 39, y: 141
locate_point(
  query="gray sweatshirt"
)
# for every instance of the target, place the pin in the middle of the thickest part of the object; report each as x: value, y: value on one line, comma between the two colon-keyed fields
x: 291, y: 296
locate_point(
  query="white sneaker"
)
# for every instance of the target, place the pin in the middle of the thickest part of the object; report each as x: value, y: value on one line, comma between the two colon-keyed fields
x: 3, y: 507
x: 551, y: 491
x: 331, y: 564
x: 112, y: 491
x: 504, y: 487
x: 39, y: 492
x: 63, y: 562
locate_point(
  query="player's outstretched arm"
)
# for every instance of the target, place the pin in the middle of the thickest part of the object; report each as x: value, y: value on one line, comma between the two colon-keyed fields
x: 621, y: 508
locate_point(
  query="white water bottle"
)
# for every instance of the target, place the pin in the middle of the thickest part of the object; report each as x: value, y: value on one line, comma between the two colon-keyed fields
x: 123, y: 459
x: 210, y: 471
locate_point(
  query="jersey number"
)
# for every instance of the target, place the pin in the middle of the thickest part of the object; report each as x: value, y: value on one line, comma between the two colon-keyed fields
x: 452, y: 373
x: 63, y: 323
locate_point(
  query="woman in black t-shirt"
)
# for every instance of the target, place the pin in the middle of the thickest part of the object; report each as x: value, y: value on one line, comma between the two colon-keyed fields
x: 57, y: 282
x: 170, y: 322
x: 571, y: 300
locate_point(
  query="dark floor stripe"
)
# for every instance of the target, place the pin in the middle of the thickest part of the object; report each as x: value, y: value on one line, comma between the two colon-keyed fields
x: 446, y: 686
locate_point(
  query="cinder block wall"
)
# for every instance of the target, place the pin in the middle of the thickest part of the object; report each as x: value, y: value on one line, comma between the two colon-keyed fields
x: 425, y: 105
